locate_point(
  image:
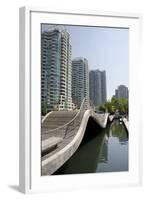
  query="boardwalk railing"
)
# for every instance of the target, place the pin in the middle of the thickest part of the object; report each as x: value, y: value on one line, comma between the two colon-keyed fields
x: 72, y: 124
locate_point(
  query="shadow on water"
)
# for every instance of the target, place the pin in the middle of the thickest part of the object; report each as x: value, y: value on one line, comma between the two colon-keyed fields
x: 101, y: 150
x: 85, y: 158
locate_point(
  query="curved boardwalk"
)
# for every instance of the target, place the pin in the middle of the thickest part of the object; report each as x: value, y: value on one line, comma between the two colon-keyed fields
x: 55, y: 120
x: 68, y: 137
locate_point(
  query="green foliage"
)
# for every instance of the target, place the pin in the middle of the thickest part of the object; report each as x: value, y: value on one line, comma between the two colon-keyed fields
x: 44, y: 109
x: 120, y: 105
x: 102, y: 108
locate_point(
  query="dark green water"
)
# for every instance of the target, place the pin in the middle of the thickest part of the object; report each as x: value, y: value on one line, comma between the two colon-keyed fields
x: 102, y: 150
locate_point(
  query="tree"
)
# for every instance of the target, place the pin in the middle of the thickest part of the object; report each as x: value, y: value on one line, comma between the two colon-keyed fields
x: 108, y: 106
x: 44, y: 109
x: 114, y: 105
x: 102, y: 108
x: 123, y: 105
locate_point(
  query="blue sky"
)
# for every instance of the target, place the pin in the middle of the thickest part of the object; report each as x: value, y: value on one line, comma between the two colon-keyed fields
x: 106, y: 49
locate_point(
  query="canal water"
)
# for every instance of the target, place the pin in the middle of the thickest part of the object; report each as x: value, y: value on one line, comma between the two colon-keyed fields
x: 101, y: 150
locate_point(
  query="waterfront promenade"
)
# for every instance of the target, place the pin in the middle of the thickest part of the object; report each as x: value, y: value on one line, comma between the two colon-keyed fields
x: 62, y: 133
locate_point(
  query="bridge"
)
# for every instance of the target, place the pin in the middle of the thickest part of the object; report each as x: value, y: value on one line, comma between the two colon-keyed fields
x: 62, y: 133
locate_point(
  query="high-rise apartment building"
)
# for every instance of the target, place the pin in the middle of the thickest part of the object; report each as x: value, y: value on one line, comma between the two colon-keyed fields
x: 80, y: 80
x: 121, y: 92
x: 103, y: 87
x: 56, y: 69
x: 97, y: 84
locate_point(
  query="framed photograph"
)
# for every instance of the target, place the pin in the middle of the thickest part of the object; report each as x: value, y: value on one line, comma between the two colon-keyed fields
x: 79, y: 100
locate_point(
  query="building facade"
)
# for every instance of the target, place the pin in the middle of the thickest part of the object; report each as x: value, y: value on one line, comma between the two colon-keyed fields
x: 121, y: 92
x: 80, y: 80
x: 56, y: 69
x: 97, y: 85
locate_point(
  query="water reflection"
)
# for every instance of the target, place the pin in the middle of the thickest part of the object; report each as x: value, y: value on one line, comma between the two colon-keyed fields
x: 114, y: 149
x: 117, y: 130
x: 102, y: 150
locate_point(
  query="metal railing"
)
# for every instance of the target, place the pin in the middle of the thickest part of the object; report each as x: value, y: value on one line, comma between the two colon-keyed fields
x: 72, y: 124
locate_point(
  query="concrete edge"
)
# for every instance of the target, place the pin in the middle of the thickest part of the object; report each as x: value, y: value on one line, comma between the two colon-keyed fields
x: 57, y: 160
x: 46, y: 116
x: 102, y: 125
x: 126, y: 124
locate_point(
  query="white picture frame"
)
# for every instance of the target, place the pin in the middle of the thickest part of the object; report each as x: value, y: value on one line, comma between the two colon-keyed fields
x: 29, y: 160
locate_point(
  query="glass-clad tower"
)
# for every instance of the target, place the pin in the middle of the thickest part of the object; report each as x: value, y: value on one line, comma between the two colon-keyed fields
x: 121, y: 92
x: 80, y: 80
x: 97, y: 84
x: 56, y: 68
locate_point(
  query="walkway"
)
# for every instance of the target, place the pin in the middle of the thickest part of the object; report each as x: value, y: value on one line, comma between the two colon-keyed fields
x: 69, y: 136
